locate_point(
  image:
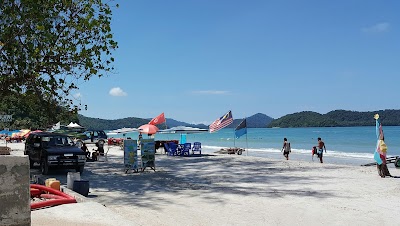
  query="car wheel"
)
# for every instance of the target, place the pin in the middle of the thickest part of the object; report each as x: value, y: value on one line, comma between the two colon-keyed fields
x: 239, y: 152
x: 101, y: 143
x: 80, y: 169
x: 79, y: 143
x: 397, y: 163
x: 44, y: 167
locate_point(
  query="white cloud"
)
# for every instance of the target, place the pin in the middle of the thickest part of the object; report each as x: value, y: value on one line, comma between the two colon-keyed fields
x: 117, y: 92
x: 377, y: 28
x: 211, y: 92
x: 77, y: 95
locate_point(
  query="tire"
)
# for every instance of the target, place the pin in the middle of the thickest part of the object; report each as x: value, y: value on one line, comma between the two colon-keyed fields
x: 397, y: 162
x: 79, y: 143
x: 101, y: 143
x: 239, y: 152
x: 44, y: 167
x: 80, y: 169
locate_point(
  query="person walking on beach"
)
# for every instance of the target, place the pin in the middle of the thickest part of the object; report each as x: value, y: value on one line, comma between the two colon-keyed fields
x: 321, y: 147
x: 286, y: 148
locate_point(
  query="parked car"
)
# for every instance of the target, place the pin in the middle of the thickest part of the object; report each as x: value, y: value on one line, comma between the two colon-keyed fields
x: 93, y: 137
x: 54, y: 150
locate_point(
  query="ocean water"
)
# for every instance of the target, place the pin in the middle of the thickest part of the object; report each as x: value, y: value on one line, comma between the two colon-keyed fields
x: 345, y: 145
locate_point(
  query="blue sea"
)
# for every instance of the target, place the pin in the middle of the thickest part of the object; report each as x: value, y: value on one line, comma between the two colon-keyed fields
x: 345, y: 145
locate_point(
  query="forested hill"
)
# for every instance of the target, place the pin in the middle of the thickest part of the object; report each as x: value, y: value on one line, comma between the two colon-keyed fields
x: 131, y: 122
x: 339, y: 118
x: 256, y: 121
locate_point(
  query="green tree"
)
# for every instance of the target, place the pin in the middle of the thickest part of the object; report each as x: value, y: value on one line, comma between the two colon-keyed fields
x: 48, y: 47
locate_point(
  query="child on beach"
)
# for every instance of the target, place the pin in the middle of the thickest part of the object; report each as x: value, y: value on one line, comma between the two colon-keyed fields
x: 286, y: 148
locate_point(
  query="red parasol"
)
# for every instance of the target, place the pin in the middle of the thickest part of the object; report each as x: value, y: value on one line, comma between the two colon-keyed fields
x: 148, y: 129
x: 36, y: 131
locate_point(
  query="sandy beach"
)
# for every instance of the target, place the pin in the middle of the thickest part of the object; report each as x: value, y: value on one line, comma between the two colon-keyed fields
x: 238, y: 190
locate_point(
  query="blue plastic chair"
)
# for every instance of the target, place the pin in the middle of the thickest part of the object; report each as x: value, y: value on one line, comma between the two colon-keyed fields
x: 196, y: 148
x: 166, y: 148
x: 186, y: 149
x: 172, y: 148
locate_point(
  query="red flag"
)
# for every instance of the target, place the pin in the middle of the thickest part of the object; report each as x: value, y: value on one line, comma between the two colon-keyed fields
x: 158, y: 120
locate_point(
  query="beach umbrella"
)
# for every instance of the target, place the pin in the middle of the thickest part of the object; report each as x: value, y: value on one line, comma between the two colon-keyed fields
x: 148, y: 129
x: 36, y: 131
x: 23, y: 132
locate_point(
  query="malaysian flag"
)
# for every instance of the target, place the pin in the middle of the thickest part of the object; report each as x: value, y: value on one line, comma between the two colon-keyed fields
x: 222, y: 122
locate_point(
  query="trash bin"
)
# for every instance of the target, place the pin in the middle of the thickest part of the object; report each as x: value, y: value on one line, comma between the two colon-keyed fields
x: 81, y: 187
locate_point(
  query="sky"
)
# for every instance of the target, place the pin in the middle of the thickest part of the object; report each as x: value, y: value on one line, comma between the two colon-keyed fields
x: 195, y: 60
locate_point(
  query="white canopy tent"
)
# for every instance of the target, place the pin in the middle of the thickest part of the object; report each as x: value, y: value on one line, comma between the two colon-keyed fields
x: 74, y: 125
x: 183, y: 130
x: 122, y: 130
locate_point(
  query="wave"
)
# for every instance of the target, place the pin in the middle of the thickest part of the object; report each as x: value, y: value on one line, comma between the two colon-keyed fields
x: 333, y: 153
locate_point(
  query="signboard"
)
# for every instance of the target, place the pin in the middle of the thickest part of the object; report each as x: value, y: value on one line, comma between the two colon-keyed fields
x: 5, y: 118
x: 147, y: 151
x: 130, y: 155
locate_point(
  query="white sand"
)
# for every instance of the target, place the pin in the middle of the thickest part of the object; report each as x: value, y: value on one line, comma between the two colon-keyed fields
x: 240, y: 190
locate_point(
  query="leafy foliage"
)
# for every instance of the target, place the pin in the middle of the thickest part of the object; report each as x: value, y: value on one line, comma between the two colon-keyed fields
x: 29, y: 112
x: 48, y: 46
x: 337, y: 118
x: 104, y: 124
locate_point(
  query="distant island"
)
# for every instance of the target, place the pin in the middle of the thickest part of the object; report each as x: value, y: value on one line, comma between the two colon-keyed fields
x: 336, y: 118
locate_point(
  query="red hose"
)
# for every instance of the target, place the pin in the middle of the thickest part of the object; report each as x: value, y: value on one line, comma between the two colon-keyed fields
x: 60, y: 197
x: 35, y: 192
x: 51, y: 196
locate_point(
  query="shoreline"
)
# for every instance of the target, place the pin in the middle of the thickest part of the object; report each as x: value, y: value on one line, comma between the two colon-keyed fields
x: 294, y: 156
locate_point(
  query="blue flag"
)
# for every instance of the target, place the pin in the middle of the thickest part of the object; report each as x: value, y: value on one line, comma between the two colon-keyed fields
x: 241, y: 129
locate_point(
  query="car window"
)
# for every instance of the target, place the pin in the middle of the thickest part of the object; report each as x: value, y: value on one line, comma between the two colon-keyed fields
x: 96, y: 134
x: 57, y: 141
x: 35, y: 139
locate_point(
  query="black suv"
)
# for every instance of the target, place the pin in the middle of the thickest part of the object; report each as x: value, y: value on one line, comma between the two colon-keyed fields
x: 54, y: 150
x: 93, y: 137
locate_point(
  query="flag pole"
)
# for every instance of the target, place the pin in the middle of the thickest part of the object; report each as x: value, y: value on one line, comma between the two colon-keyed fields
x: 247, y: 144
x: 234, y: 138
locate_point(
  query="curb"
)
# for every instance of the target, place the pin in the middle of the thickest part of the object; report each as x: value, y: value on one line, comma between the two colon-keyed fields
x: 77, y: 196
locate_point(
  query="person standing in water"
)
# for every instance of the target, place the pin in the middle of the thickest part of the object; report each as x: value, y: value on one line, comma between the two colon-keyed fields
x: 321, y: 147
x: 286, y: 148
